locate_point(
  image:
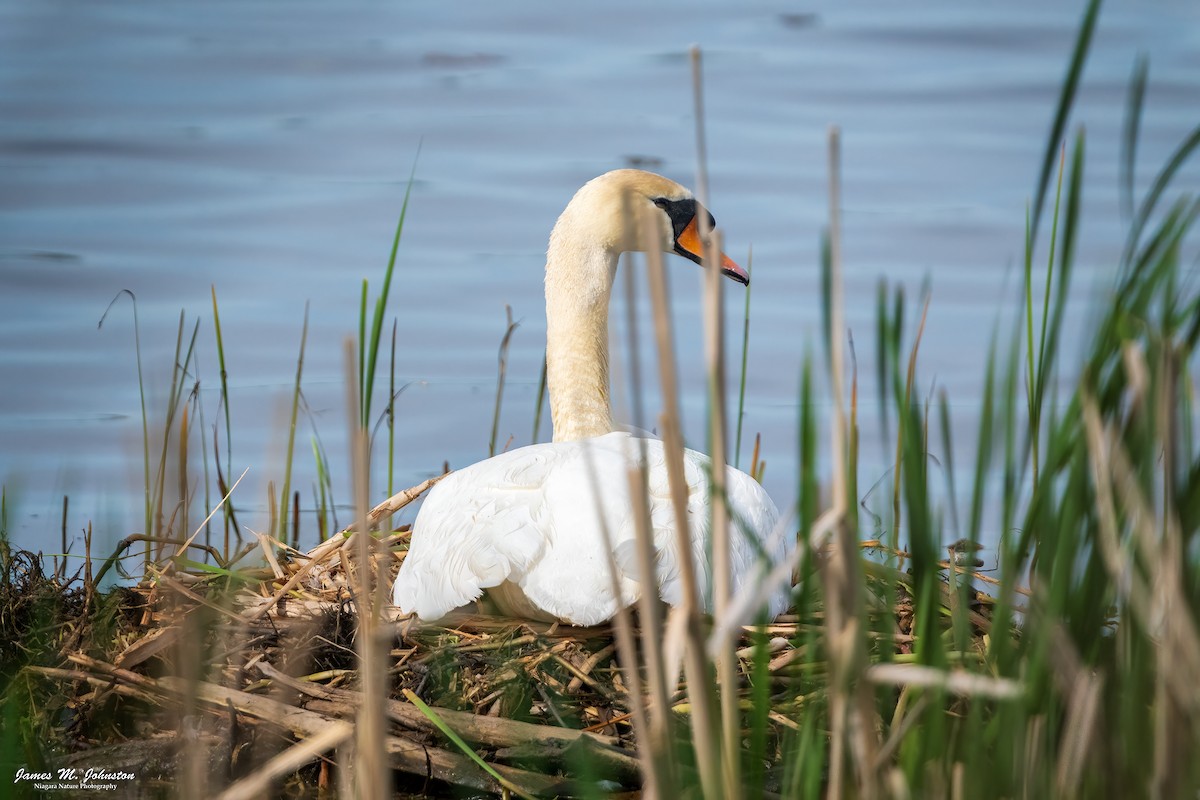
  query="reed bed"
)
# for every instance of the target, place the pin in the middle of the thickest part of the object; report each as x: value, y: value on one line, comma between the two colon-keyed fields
x: 251, y: 683
x: 251, y: 668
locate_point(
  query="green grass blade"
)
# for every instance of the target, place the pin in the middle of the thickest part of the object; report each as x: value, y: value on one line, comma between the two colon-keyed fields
x: 540, y: 403
x: 826, y: 298
x: 741, y: 412
x: 227, y: 512
x: 1066, y: 100
x: 449, y: 733
x: 391, y: 414
x: 881, y: 361
x: 1129, y: 135
x: 1161, y: 182
x: 1069, y: 231
x: 320, y: 499
x: 501, y: 372
x: 808, y: 492
x: 362, y: 349
x: 286, y: 492
x: 137, y: 346
x: 367, y: 382
x: 1052, y: 331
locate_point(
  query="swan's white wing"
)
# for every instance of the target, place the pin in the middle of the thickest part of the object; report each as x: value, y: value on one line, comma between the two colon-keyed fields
x: 532, y: 517
x: 477, y: 527
x: 536, y: 517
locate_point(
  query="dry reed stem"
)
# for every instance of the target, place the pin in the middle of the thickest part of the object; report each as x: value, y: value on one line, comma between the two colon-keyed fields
x: 696, y: 665
x: 371, y: 779
x: 658, y: 746
x: 1080, y: 732
x: 651, y: 727
x: 851, y: 714
x: 1156, y: 599
x: 224, y: 498
x: 588, y: 665
x: 304, y: 752
x: 960, y: 682
x: 714, y: 340
x: 727, y: 670
x: 401, y: 499
x: 269, y: 554
x: 903, y: 721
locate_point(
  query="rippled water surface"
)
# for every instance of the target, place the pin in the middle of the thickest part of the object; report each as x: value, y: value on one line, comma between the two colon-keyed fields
x: 263, y: 149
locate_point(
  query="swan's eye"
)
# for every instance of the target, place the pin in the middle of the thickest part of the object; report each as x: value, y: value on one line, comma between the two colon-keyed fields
x: 661, y: 202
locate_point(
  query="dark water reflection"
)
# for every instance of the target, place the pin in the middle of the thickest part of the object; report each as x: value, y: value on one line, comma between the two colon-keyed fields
x: 263, y: 150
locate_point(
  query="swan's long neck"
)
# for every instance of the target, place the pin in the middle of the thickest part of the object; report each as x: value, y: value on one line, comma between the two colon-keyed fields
x: 579, y: 278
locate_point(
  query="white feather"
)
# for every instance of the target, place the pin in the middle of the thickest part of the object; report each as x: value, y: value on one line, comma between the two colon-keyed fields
x: 534, y: 516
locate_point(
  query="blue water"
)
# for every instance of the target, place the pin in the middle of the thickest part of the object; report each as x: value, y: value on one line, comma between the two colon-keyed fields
x: 263, y: 149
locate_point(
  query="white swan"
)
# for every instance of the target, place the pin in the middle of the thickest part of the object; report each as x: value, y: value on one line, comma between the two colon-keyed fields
x: 527, y: 525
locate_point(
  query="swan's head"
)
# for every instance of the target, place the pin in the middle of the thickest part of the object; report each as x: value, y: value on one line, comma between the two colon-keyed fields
x: 612, y: 207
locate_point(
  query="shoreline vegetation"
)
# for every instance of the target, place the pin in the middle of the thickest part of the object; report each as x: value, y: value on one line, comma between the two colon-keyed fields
x: 232, y: 664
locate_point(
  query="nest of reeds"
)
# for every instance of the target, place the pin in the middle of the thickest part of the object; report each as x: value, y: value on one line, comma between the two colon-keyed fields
x: 250, y: 678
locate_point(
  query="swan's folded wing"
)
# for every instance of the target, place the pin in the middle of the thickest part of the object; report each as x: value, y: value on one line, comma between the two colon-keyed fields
x: 552, y: 520
x: 476, y: 529
x: 555, y: 520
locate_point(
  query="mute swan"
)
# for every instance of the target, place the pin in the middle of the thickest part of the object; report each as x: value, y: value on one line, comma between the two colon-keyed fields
x: 526, y: 525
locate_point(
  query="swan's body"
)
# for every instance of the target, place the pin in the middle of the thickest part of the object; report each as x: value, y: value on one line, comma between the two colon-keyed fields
x: 530, y: 525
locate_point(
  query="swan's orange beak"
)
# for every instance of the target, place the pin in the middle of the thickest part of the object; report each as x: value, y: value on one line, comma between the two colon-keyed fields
x: 688, y: 244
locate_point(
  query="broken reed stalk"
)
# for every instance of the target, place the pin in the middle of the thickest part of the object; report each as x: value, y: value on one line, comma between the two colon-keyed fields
x: 695, y: 661
x: 224, y: 499
x: 652, y: 730
x: 372, y: 780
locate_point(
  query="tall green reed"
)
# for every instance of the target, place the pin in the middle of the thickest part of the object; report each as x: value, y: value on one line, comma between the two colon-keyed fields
x: 229, y: 512
x: 285, y: 493
x: 368, y: 340
x: 137, y: 345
